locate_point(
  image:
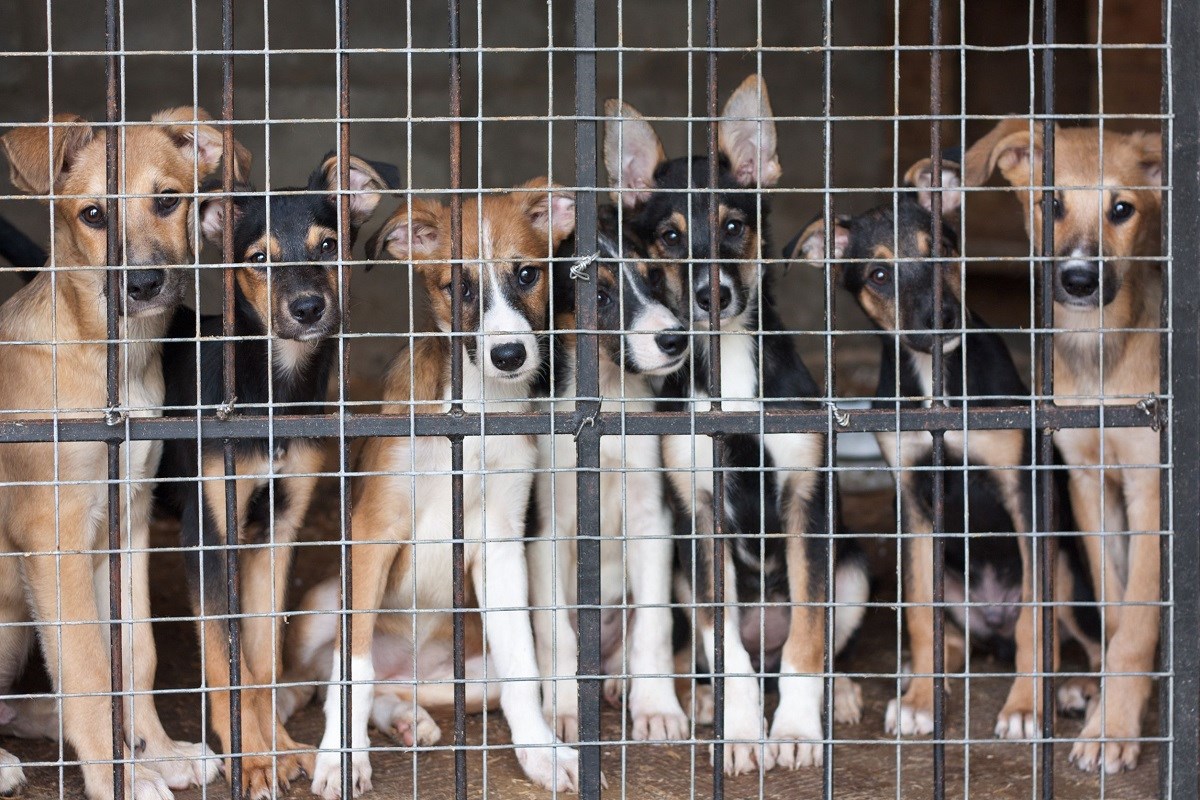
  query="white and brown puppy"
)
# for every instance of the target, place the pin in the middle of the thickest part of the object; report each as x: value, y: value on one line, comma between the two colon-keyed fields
x: 1106, y: 239
x: 53, y: 498
x: 641, y: 338
x: 401, y: 549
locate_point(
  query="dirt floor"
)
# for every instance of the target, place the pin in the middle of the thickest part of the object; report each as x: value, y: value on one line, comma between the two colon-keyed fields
x: 867, y: 764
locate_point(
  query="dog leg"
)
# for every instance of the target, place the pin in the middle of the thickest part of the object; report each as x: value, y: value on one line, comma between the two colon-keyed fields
x: 796, y: 732
x: 554, y: 635
x: 1019, y: 716
x: 15, y: 640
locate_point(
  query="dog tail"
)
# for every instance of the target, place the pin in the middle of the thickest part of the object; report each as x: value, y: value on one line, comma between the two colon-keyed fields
x: 852, y: 589
x: 19, y: 250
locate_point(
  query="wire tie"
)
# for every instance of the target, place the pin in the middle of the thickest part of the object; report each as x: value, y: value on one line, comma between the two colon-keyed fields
x: 113, y: 417
x: 225, y: 410
x: 579, y: 268
x: 842, y: 418
x: 1149, y: 407
x: 587, y: 422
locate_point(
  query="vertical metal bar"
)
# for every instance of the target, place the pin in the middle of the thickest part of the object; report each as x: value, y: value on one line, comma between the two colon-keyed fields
x: 114, y: 250
x: 1182, y: 653
x: 229, y: 389
x: 587, y: 450
x: 1044, y: 580
x: 939, y: 441
x: 714, y: 391
x: 458, y: 563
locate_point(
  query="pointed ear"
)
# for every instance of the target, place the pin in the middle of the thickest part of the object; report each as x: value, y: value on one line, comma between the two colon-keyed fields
x: 746, y: 135
x: 920, y: 177
x: 367, y: 180
x: 550, y: 208
x: 1151, y: 160
x: 1009, y: 147
x: 809, y: 244
x: 414, y: 232
x: 632, y: 152
x: 188, y: 127
x: 33, y: 167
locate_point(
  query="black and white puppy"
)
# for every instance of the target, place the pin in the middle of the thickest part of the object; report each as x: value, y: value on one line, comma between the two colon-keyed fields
x: 775, y: 507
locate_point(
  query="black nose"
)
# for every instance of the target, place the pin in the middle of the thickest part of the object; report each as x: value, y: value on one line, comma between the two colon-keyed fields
x: 949, y: 317
x: 307, y: 310
x: 1080, y: 281
x: 144, y: 284
x: 508, y: 357
x: 704, y: 297
x: 672, y: 342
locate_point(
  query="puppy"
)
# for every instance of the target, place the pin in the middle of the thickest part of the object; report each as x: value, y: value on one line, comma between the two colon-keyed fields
x: 642, y: 338
x: 53, y: 497
x: 1106, y: 233
x: 404, y: 497
x: 892, y: 277
x: 286, y: 316
x: 771, y: 555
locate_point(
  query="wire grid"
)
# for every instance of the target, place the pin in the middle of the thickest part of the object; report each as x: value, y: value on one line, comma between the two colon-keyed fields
x: 592, y: 419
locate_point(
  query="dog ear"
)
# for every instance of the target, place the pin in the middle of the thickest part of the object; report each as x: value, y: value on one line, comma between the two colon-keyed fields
x: 212, y: 214
x: 1011, y: 148
x: 920, y: 177
x: 550, y: 208
x: 809, y: 244
x: 412, y: 233
x: 632, y: 153
x: 367, y: 179
x: 33, y: 167
x: 1151, y: 160
x: 187, y: 126
x: 746, y: 135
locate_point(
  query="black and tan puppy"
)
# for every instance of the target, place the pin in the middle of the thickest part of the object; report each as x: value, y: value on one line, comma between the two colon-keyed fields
x: 286, y: 315
x: 1107, y: 237
x: 890, y: 272
x: 54, y: 497
x: 775, y: 489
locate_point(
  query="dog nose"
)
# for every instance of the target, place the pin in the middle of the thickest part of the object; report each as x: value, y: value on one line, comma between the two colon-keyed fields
x: 671, y: 342
x: 308, y: 309
x: 1082, y: 281
x: 995, y: 616
x: 704, y: 297
x: 508, y: 357
x: 949, y: 317
x: 144, y: 284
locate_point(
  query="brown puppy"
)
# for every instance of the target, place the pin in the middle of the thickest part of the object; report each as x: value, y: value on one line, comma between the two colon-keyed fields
x: 57, y: 516
x: 1106, y: 235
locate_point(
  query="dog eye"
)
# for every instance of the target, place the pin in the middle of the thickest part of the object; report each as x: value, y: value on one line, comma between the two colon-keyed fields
x: 167, y: 203
x: 1121, y: 211
x: 670, y: 237
x: 603, y: 298
x: 1059, y: 210
x: 468, y: 291
x: 93, y: 216
x: 734, y: 228
x: 880, y: 276
x: 527, y: 276
x: 257, y: 257
x: 329, y: 246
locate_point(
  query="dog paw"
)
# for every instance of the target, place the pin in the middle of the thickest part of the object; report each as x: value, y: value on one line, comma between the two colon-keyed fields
x: 613, y: 691
x: 657, y: 715
x: 411, y: 725
x: 327, y: 775
x: 907, y: 720
x: 706, y: 709
x: 560, y: 709
x: 1076, y: 695
x: 1016, y: 723
x: 1091, y: 755
x: 12, y: 777
x: 796, y: 743
x: 744, y: 748
x: 147, y: 785
x: 847, y: 701
x: 264, y: 776
x: 554, y: 768
x: 182, y: 764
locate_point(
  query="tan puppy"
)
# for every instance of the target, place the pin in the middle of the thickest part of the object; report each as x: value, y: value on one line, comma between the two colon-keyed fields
x: 1106, y: 231
x: 57, y: 517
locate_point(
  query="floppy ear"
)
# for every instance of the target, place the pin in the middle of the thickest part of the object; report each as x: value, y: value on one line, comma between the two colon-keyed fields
x: 367, y: 179
x: 550, y: 208
x: 920, y: 177
x: 746, y: 135
x: 809, y: 244
x: 1151, y: 160
x: 33, y: 167
x: 414, y: 232
x: 632, y: 152
x: 1009, y: 147
x: 188, y: 128
x: 212, y: 213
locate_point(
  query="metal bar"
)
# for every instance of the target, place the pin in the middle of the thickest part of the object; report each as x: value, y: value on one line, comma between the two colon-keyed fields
x: 113, y: 254
x: 458, y: 557
x: 587, y: 365
x: 229, y: 390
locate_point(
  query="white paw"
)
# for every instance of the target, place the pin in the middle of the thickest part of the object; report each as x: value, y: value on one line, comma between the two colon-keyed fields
x: 796, y: 742
x: 1016, y: 725
x: 656, y: 713
x: 553, y: 768
x: 560, y: 708
x: 149, y: 785
x: 906, y: 720
x: 744, y: 749
x: 1076, y: 695
x: 181, y: 764
x: 12, y: 777
x: 408, y: 723
x: 847, y: 701
x: 327, y: 777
